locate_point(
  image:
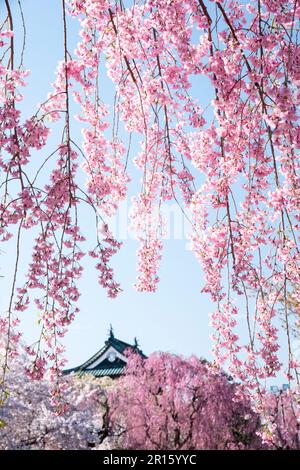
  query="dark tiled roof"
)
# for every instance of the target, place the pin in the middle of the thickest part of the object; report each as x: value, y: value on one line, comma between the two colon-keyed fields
x: 111, y: 372
x: 106, y: 368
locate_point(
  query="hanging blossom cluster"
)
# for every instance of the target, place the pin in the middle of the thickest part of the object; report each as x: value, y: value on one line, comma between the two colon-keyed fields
x: 245, y: 214
x: 50, y: 209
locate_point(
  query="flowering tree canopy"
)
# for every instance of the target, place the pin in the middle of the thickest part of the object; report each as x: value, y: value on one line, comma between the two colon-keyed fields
x: 244, y: 213
x: 27, y: 420
x: 167, y: 402
x: 163, y: 402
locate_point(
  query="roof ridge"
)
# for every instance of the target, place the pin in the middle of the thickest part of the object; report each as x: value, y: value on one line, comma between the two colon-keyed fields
x: 119, y: 340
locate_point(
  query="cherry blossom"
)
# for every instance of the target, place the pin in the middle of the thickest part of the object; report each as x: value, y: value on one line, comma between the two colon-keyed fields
x: 231, y: 163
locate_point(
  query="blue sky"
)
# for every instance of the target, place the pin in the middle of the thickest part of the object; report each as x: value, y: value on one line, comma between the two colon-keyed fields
x: 176, y: 318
